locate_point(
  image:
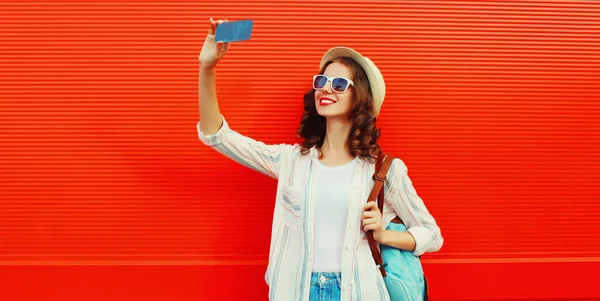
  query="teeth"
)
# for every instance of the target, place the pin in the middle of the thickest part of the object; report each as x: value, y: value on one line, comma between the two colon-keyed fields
x: 326, y: 101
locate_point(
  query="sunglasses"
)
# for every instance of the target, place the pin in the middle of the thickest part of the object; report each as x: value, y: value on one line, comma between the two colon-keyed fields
x: 338, y: 84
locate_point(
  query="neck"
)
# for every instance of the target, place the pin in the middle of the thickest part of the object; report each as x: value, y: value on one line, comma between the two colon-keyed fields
x: 336, y: 137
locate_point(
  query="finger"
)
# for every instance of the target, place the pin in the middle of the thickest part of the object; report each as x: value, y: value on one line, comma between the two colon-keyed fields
x: 369, y: 221
x: 213, y: 27
x: 370, y: 227
x: 375, y: 208
x: 368, y: 214
x: 222, y: 46
x: 369, y: 205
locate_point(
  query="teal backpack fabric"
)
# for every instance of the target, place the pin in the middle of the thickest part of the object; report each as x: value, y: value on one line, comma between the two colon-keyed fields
x: 404, y: 279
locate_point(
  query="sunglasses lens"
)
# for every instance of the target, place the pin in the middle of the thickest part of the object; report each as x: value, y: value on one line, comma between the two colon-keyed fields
x: 339, y: 84
x: 320, y: 82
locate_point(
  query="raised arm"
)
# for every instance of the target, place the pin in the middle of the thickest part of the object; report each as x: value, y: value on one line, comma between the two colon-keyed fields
x: 212, y: 52
x: 213, y: 129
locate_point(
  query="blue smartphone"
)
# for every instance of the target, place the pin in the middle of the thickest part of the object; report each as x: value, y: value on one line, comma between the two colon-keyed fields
x: 234, y: 31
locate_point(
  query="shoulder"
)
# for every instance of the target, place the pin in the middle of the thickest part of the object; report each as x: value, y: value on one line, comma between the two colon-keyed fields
x: 294, y: 153
x: 398, y: 165
x: 396, y: 172
x: 297, y: 151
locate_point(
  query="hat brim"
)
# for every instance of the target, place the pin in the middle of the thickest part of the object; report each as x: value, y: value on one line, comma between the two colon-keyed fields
x: 373, y: 74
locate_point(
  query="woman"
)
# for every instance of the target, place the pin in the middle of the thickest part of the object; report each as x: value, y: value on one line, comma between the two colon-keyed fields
x: 319, y: 249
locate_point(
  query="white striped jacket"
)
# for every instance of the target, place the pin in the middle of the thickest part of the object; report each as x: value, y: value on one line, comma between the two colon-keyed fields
x: 290, y: 257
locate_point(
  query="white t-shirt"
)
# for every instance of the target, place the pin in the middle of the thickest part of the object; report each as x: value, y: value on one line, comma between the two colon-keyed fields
x: 333, y: 186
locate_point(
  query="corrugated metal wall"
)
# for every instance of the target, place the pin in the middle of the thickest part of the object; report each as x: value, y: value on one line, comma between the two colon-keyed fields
x: 106, y: 192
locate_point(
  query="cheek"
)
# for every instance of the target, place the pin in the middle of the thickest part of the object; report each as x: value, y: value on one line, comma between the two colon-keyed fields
x: 347, y: 99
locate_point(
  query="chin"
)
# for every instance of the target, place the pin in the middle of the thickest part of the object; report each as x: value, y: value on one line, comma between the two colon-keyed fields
x: 331, y: 114
x: 324, y: 113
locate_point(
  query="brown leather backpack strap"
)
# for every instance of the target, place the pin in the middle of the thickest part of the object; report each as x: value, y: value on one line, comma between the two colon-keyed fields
x: 377, y: 169
x: 381, y: 168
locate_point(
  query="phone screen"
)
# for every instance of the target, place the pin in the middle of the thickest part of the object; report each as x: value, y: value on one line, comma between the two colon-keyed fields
x: 234, y: 31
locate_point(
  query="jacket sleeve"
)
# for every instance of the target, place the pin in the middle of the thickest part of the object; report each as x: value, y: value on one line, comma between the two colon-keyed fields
x: 402, y: 197
x: 253, y: 154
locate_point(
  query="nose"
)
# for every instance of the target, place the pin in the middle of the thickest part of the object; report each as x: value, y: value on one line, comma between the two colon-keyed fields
x: 328, y: 87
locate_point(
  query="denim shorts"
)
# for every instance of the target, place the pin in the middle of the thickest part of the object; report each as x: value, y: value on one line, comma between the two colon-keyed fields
x: 325, y: 286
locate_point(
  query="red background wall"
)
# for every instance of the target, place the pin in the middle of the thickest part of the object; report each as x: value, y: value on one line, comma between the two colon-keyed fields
x: 106, y: 193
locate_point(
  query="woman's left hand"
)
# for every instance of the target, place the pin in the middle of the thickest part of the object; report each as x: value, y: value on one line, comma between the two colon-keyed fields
x: 371, y: 219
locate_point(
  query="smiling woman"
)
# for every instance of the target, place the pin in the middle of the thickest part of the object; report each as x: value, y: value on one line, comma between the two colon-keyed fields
x: 321, y: 220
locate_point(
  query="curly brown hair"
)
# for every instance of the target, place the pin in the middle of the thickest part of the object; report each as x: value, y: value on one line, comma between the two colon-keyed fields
x: 362, y: 140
